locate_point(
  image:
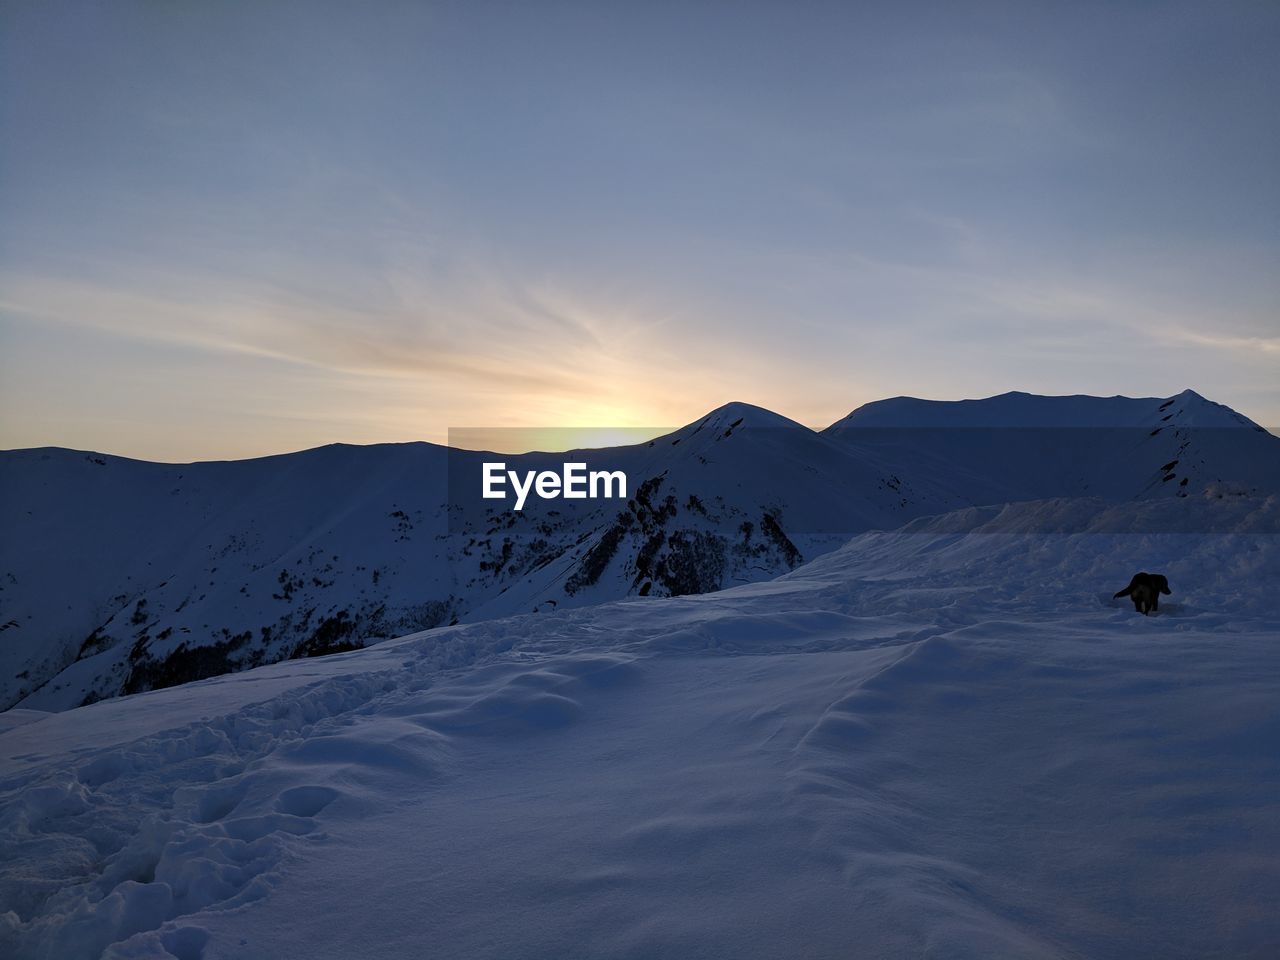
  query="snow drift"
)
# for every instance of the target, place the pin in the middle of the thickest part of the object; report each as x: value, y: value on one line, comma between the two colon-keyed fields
x: 946, y: 740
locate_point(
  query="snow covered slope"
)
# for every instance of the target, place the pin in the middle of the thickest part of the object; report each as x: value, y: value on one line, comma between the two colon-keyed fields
x: 1018, y: 446
x: 946, y: 740
x: 118, y: 576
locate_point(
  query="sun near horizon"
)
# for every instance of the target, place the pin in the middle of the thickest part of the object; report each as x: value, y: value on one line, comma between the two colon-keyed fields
x: 230, y: 230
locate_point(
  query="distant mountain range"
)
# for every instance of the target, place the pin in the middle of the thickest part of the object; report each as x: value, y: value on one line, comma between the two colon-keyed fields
x: 119, y: 575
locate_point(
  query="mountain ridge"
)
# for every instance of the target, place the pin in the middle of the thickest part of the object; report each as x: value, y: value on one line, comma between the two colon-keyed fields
x: 120, y: 575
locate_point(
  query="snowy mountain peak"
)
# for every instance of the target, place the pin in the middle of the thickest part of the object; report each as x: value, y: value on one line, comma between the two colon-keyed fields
x: 1019, y: 410
x: 729, y: 420
x: 1190, y: 409
x: 737, y: 415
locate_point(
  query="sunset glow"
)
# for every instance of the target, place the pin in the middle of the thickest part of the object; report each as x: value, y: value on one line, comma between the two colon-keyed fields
x: 234, y: 230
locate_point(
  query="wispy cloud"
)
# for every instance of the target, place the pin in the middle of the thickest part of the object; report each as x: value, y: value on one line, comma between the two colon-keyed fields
x: 257, y: 226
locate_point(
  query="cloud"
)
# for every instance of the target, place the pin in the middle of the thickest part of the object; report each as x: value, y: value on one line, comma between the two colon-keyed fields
x: 370, y: 343
x: 1243, y: 345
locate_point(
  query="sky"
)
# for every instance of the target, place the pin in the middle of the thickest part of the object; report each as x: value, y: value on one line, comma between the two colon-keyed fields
x: 237, y: 228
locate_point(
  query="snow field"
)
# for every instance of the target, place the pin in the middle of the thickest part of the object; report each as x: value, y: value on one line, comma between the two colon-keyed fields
x: 928, y: 743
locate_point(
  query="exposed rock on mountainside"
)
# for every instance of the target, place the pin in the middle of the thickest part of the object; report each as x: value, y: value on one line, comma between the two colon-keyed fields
x: 118, y: 576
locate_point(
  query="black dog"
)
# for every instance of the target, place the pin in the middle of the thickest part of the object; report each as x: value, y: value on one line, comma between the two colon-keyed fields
x: 1144, y: 590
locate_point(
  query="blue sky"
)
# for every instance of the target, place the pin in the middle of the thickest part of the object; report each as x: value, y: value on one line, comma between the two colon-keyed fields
x: 230, y: 229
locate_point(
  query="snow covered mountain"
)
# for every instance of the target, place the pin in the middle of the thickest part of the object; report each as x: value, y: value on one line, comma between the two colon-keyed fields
x: 937, y: 741
x: 1018, y: 446
x: 118, y: 576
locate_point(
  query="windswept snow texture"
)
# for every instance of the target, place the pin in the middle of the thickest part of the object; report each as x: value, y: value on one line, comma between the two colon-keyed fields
x: 942, y: 741
x: 118, y: 576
